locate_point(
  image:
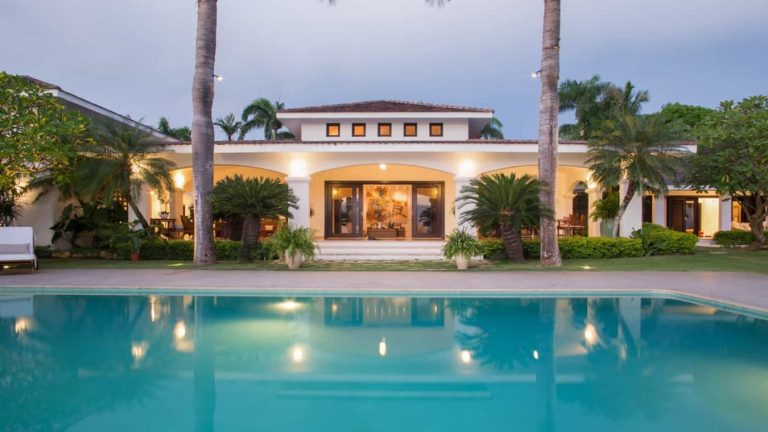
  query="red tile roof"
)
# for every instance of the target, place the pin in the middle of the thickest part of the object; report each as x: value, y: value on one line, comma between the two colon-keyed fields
x: 469, y: 141
x: 381, y: 106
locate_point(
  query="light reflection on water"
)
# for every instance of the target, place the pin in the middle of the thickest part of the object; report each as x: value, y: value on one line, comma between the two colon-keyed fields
x: 181, y: 363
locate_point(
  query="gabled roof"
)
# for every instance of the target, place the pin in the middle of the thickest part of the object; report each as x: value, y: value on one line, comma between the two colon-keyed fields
x: 385, y: 106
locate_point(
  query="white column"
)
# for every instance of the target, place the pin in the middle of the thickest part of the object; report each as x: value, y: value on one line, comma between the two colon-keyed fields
x: 593, y: 227
x: 460, y: 182
x: 660, y: 209
x: 300, y: 187
x: 633, y: 216
x: 726, y: 213
x: 143, y: 204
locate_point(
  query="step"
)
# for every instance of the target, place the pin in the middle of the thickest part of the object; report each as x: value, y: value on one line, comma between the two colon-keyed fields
x: 379, y: 250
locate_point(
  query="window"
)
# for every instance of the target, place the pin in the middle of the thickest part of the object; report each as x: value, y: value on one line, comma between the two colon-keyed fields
x: 332, y: 129
x: 385, y: 129
x: 358, y: 129
x: 410, y: 129
x: 436, y: 129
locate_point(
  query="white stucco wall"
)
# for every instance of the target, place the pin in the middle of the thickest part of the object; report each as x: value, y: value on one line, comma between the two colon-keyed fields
x: 453, y: 129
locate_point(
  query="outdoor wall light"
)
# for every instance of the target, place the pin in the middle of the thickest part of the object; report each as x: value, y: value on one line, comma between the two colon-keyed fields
x: 179, y: 180
x: 218, y: 78
x: 383, y: 166
x: 536, y: 74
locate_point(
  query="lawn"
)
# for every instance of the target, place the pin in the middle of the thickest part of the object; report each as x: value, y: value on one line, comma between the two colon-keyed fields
x: 705, y: 259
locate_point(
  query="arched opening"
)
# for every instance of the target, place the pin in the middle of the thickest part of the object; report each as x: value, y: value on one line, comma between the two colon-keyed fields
x: 580, y: 205
x: 382, y: 202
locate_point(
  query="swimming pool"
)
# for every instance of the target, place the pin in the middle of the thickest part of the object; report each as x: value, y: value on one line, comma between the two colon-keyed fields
x: 186, y: 363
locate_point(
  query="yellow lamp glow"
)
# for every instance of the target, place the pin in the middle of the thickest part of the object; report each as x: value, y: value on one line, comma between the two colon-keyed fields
x: 297, y: 354
x: 21, y: 326
x: 465, y: 356
x: 590, y: 334
x: 535, y: 354
x: 467, y: 168
x: 138, y: 350
x: 383, y: 166
x: 288, y: 306
x: 298, y: 168
x: 179, y: 180
x: 180, y: 330
x: 383, y: 347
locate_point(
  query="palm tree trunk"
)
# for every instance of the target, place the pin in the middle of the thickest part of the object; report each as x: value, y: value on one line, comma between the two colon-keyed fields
x: 136, y: 211
x: 250, y: 238
x: 549, y: 109
x: 202, y: 130
x: 623, y: 207
x: 512, y: 242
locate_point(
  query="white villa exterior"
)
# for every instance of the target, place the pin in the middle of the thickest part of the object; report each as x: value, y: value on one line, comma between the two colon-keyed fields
x: 392, y: 170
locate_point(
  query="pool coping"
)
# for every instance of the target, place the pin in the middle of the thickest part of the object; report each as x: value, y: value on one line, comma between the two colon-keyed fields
x: 745, y: 293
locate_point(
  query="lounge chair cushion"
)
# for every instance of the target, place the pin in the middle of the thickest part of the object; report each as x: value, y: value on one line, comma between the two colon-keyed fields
x: 25, y: 257
x: 14, y: 248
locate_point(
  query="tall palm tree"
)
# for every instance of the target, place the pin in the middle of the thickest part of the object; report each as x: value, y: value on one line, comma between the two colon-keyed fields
x: 261, y: 113
x: 503, y: 203
x: 229, y: 125
x: 252, y: 199
x: 589, y: 100
x: 202, y: 130
x: 182, y: 133
x: 641, y: 150
x: 493, y: 130
x: 121, y: 161
x: 626, y: 100
x: 549, y: 139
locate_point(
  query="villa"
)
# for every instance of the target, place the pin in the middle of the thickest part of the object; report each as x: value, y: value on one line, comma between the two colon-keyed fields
x: 391, y: 170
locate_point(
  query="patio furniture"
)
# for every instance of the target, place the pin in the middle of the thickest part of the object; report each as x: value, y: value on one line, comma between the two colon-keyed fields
x: 168, y: 224
x: 17, y: 245
x: 187, y: 226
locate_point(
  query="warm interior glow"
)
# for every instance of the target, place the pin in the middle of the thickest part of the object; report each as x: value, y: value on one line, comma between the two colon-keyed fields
x: 358, y: 130
x: 465, y: 356
x: 21, y: 326
x: 383, y: 347
x: 436, y: 129
x: 297, y: 354
x: 410, y: 130
x: 333, y: 129
x: 590, y: 334
x: 179, y: 180
x: 180, y: 330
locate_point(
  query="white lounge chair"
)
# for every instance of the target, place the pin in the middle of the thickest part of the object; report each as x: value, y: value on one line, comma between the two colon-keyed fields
x: 17, y: 245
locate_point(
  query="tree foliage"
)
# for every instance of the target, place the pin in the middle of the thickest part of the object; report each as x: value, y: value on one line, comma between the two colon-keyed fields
x: 493, y: 130
x: 262, y: 114
x: 229, y: 125
x: 689, y: 115
x: 732, y: 157
x: 37, y: 135
x: 183, y: 133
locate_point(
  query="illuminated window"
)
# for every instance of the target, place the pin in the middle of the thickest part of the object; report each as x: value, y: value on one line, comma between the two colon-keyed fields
x: 436, y: 129
x: 410, y: 129
x: 385, y: 129
x: 358, y: 129
x: 332, y: 129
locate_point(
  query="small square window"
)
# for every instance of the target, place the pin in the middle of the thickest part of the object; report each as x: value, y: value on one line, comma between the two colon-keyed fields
x: 410, y: 129
x: 385, y: 129
x: 358, y: 129
x: 436, y: 129
x: 332, y: 129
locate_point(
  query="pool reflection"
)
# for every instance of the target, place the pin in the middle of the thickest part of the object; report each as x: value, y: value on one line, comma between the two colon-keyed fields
x: 217, y: 363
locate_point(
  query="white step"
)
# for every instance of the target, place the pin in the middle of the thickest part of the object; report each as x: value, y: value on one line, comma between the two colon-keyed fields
x: 379, y: 250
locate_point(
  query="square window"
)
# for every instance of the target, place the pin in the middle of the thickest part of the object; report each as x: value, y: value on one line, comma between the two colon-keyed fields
x: 410, y: 129
x: 332, y: 129
x: 358, y: 129
x: 385, y: 129
x: 436, y: 129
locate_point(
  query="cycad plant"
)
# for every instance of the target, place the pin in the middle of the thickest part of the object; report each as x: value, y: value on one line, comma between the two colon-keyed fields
x: 252, y: 199
x: 503, y: 203
x: 644, y: 151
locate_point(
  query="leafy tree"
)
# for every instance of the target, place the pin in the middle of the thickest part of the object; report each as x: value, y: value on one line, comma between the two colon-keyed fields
x: 732, y: 158
x: 262, y: 114
x: 180, y: 133
x: 493, y: 130
x: 252, y: 199
x: 689, y: 115
x: 643, y: 151
x: 121, y: 161
x: 229, y: 125
x: 202, y: 129
x: 503, y: 203
x: 37, y: 135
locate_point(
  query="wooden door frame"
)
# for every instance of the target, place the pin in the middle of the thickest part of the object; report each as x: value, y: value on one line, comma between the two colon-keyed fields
x: 696, y: 211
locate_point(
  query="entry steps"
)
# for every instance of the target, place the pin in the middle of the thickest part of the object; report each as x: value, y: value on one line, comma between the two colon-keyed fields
x: 380, y: 250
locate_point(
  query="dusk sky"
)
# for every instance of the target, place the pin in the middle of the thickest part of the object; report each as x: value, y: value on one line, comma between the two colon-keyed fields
x: 136, y: 57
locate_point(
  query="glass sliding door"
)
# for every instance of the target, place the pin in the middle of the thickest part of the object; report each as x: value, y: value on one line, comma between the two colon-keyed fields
x: 427, y: 210
x: 343, y: 210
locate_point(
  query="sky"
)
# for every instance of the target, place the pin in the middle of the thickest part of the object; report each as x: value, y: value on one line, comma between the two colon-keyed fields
x: 137, y: 57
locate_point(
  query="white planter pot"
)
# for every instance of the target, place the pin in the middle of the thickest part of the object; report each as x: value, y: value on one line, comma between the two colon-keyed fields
x: 462, y: 263
x: 294, y: 262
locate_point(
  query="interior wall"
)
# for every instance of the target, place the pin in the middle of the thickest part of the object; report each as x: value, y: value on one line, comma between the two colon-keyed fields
x: 710, y: 216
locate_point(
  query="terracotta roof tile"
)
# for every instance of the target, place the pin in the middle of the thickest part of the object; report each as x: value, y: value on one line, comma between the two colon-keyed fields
x: 380, y: 106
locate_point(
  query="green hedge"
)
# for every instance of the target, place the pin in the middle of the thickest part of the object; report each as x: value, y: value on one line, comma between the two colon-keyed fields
x: 572, y: 248
x: 183, y: 250
x: 659, y: 240
x: 734, y: 238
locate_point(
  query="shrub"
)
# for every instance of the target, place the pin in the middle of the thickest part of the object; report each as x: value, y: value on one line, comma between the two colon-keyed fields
x: 493, y: 249
x: 734, y: 238
x: 183, y: 250
x: 572, y: 248
x: 460, y: 243
x: 659, y: 240
x: 291, y: 240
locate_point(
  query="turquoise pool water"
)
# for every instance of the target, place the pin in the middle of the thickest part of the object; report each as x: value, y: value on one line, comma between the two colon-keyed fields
x: 184, y: 363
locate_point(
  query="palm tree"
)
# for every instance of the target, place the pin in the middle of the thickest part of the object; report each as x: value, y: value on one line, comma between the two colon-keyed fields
x: 202, y: 130
x: 626, y: 100
x: 549, y: 107
x: 503, y: 203
x: 589, y: 101
x: 120, y: 161
x: 641, y: 150
x: 252, y: 199
x: 229, y: 125
x: 180, y: 133
x: 493, y: 130
x: 261, y: 113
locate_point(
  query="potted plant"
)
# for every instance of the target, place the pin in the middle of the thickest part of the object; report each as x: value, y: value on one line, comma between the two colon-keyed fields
x: 293, y: 244
x: 130, y: 234
x: 461, y: 246
x: 605, y: 210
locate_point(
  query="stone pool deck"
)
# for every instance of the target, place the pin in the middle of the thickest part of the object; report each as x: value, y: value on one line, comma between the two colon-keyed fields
x: 743, y: 291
